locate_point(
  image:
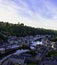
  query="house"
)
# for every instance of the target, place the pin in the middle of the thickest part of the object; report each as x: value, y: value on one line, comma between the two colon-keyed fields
x: 16, y: 60
x: 41, y: 52
x: 2, y: 50
x: 50, y: 61
x: 29, y: 58
x: 21, y: 57
x: 13, y: 40
x: 46, y: 42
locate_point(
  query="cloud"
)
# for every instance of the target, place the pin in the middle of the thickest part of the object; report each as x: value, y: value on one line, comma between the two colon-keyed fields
x: 30, y: 7
x: 36, y: 13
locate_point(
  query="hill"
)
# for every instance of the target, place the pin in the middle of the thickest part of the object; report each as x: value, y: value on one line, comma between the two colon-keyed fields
x: 22, y: 30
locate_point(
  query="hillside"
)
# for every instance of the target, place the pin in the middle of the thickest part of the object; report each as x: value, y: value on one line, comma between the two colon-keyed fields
x: 22, y: 30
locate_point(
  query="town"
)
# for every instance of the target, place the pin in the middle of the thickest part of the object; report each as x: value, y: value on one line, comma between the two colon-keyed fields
x: 28, y: 32
x: 28, y: 50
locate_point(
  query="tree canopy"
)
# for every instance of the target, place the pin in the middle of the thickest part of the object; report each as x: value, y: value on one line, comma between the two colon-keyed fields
x: 22, y: 30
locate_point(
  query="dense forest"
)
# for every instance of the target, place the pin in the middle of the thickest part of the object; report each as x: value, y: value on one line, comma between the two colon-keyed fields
x: 22, y: 30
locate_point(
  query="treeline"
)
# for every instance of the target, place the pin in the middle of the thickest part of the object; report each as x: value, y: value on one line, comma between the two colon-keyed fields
x: 22, y: 30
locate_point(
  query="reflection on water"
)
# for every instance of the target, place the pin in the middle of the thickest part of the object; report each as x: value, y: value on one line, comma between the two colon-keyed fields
x: 36, y: 43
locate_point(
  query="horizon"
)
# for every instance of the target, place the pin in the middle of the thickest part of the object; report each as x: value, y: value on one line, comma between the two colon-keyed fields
x: 28, y: 25
x: 34, y: 13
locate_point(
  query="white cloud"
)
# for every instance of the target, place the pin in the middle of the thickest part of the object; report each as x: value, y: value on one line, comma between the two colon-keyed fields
x: 11, y: 12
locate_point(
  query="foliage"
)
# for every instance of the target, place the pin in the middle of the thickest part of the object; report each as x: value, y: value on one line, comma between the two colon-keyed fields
x: 52, y: 53
x: 24, y: 47
x: 54, y: 39
x: 31, y: 63
x: 3, y: 37
x: 22, y: 30
x: 32, y: 53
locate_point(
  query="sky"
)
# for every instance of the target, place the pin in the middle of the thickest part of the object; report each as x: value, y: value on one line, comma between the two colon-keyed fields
x: 35, y: 13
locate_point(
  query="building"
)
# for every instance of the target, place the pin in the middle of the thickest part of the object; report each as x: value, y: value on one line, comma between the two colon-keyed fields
x: 49, y: 61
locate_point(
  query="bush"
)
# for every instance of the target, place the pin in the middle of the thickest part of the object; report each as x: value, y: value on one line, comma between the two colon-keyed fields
x: 3, y: 37
x: 32, y: 53
x: 24, y: 47
x: 54, y: 39
x: 52, y: 53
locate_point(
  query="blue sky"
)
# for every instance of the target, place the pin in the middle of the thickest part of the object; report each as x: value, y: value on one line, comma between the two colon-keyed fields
x: 35, y: 13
